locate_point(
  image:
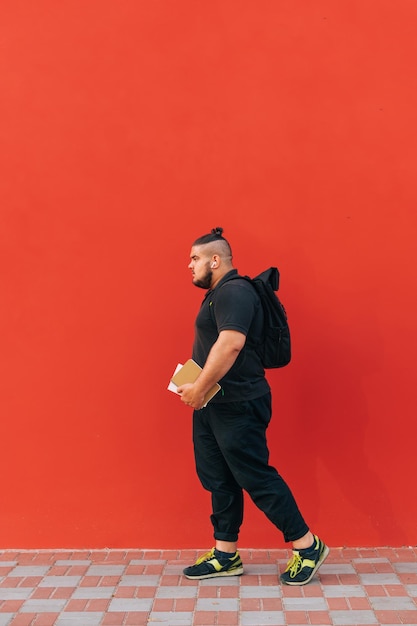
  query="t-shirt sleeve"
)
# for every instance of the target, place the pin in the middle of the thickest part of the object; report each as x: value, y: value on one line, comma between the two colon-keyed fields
x: 235, y: 307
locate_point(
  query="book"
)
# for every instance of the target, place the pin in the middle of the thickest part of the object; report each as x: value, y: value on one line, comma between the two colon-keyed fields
x: 188, y: 373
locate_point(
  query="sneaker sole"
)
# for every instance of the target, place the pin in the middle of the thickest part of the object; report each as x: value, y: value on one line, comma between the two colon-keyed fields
x: 234, y: 572
x: 324, y: 555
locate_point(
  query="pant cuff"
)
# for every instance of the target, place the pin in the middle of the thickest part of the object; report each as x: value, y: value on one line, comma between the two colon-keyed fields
x: 295, y: 536
x: 232, y: 537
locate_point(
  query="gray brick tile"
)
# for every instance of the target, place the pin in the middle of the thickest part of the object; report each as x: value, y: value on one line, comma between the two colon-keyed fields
x: 173, y: 569
x: 260, y: 568
x: 261, y: 591
x: 85, y: 618
x: 93, y: 593
x: 393, y: 603
x: 231, y: 581
x: 405, y: 568
x: 43, y: 606
x: 352, y: 618
x: 262, y: 618
x: 5, y: 618
x: 337, y: 568
x: 370, y: 559
x: 130, y: 604
x: 60, y: 581
x: 343, y: 591
x: 15, y: 593
x: 304, y: 604
x: 379, y: 579
x: 177, y: 592
x: 171, y: 618
x: 106, y: 570
x: 29, y: 570
x: 138, y: 580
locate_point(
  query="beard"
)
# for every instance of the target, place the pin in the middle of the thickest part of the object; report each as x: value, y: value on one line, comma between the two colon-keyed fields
x: 205, y: 281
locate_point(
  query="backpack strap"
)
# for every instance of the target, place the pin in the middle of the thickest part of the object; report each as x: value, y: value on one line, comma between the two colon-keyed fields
x: 236, y: 277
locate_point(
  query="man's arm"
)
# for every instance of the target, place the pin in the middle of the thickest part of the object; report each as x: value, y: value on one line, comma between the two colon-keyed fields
x: 222, y: 355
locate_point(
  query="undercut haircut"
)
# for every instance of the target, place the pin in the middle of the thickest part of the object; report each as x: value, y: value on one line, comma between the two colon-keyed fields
x: 215, y: 237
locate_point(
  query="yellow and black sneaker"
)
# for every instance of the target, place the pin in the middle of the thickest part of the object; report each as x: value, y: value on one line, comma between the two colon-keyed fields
x: 209, y: 565
x: 305, y: 563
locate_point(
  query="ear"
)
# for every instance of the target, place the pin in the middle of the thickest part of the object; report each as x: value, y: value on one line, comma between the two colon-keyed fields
x: 214, y: 262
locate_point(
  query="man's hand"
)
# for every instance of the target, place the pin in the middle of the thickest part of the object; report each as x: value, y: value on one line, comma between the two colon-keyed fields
x: 191, y: 396
x: 222, y: 355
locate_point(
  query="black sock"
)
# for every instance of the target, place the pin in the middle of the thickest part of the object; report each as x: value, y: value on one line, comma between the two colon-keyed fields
x: 223, y: 555
x: 310, y: 549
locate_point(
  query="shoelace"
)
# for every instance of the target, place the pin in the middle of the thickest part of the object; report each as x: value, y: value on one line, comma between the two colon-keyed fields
x: 294, y: 564
x: 205, y: 557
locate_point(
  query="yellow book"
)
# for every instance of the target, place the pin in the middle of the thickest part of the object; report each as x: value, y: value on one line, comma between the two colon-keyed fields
x: 188, y: 373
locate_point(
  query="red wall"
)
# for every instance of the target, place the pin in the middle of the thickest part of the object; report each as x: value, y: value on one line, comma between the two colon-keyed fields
x: 127, y: 129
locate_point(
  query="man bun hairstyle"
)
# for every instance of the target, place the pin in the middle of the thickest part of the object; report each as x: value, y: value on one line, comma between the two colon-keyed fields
x: 215, y: 236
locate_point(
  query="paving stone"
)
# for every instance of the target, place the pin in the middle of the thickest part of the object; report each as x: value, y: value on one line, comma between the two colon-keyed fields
x: 177, y: 592
x: 15, y: 593
x: 379, y: 579
x: 343, y: 591
x: 337, y: 568
x: 255, y: 591
x: 147, y: 562
x: 106, y: 570
x: 43, y: 606
x: 254, y: 569
x: 170, y: 618
x: 84, y: 618
x: 138, y: 580
x: 172, y: 568
x: 217, y: 604
x: 405, y: 568
x: 412, y: 590
x: 352, y: 618
x: 359, y: 587
x: 29, y: 570
x: 371, y: 560
x: 60, y: 581
x: 393, y: 603
x: 71, y: 562
x: 304, y: 604
x: 262, y: 618
x: 231, y: 581
x: 93, y: 593
x: 130, y: 604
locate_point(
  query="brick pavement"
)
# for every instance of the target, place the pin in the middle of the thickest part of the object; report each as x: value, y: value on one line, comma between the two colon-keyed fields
x: 136, y: 588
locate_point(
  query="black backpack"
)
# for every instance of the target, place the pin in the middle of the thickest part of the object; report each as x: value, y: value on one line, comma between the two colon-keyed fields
x: 275, y: 346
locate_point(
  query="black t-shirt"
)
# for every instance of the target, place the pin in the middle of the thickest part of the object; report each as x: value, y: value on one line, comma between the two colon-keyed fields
x: 233, y: 305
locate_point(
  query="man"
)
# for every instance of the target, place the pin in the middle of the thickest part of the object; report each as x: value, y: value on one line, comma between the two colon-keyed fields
x: 229, y: 434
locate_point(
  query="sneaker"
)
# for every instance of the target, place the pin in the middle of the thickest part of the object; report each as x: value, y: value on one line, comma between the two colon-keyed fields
x: 209, y: 566
x: 305, y: 563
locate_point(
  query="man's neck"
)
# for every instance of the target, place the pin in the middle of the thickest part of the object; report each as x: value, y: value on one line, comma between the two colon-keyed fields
x: 219, y: 277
